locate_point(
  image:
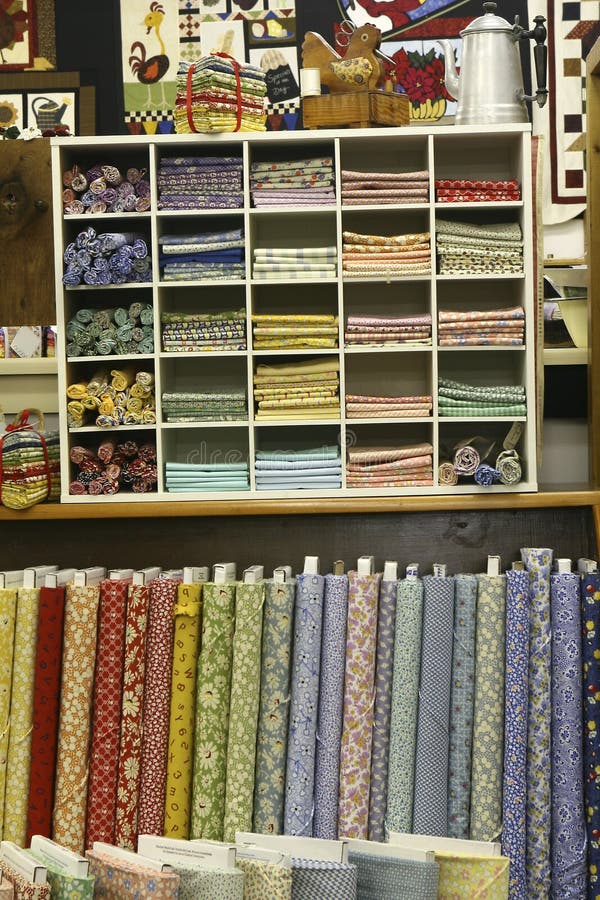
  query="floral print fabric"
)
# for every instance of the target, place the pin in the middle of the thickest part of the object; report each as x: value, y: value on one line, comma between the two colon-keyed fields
x: 265, y: 879
x: 119, y: 880
x: 590, y: 607
x: 8, y: 614
x: 461, y: 877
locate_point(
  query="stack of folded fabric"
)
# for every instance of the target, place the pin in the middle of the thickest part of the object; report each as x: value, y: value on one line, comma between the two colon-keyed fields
x: 226, y: 476
x: 296, y: 331
x: 189, y: 332
x: 109, y: 258
x: 449, y: 190
x: 281, y: 263
x: 467, y: 249
x: 111, y: 332
x: 113, y: 467
x: 385, y: 330
x: 369, y: 406
x: 200, y: 182
x: 30, y: 465
x: 105, y: 189
x: 410, y: 465
x: 456, y: 398
x: 214, y: 255
x: 298, y: 390
x: 377, y: 255
x: 111, y: 398
x: 218, y: 94
x: 359, y: 188
x: 490, y: 327
x: 202, y: 406
x: 298, y: 182
x: 285, y: 470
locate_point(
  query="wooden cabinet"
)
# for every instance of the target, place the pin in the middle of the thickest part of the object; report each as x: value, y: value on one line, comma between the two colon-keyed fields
x: 454, y: 152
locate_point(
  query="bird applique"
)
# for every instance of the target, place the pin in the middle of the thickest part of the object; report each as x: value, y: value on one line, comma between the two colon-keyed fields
x: 150, y: 70
x: 13, y: 23
x: 360, y: 68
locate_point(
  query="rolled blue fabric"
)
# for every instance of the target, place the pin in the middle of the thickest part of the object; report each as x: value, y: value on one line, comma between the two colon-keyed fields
x: 331, y: 706
x: 590, y: 607
x: 430, y: 811
x: 569, y: 851
x: 405, y: 701
x: 384, y: 669
x: 461, y: 706
x: 316, y: 879
x: 301, y: 747
x: 514, y: 787
x: 384, y: 878
x: 485, y: 475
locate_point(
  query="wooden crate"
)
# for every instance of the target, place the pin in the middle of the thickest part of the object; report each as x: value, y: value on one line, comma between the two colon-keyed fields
x: 361, y: 109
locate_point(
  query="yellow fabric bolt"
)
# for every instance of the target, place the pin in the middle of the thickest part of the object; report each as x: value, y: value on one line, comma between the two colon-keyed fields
x: 484, y: 877
x: 8, y: 611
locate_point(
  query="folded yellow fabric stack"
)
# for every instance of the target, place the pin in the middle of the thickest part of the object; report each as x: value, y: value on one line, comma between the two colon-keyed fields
x: 308, y: 389
x: 294, y: 331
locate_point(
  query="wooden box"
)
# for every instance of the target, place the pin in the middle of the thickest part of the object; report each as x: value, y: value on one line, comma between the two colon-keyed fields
x: 360, y: 109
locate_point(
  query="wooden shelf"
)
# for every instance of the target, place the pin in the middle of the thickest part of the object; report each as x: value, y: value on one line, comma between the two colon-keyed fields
x: 30, y: 383
x: 566, y: 356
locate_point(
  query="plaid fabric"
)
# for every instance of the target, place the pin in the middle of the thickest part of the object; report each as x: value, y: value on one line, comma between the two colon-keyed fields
x: 381, y: 878
x: 315, y: 879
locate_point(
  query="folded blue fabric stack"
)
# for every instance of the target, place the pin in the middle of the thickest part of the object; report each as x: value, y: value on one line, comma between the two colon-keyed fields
x: 207, y: 476
x: 200, y: 182
x: 286, y: 470
x: 213, y: 254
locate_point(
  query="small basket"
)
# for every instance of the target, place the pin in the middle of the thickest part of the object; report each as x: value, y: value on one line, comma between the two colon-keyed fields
x: 360, y: 109
x: 29, y: 463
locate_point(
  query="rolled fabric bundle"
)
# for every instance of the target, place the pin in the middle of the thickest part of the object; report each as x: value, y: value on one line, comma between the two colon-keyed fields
x: 87, y: 198
x: 77, y: 390
x: 112, y: 174
x: 98, y: 185
x: 142, y: 188
x: 68, y: 195
x: 139, y: 248
x: 147, y: 315
x: 107, y: 406
x: 145, y: 379
x: 508, y: 465
x: 77, y: 454
x: 79, y: 182
x: 447, y: 473
x: 76, y: 208
x: 486, y: 475
x: 121, y: 379
x: 466, y: 460
x: 142, y: 204
x: 133, y: 175
x: 108, y: 196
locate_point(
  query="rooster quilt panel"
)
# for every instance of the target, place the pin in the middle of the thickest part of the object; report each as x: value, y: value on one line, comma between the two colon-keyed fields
x: 18, y: 34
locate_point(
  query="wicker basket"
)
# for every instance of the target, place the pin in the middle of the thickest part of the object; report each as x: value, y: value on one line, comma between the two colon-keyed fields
x: 361, y: 109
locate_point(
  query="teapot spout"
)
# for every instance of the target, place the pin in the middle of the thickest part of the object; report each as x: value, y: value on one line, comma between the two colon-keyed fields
x: 451, y: 75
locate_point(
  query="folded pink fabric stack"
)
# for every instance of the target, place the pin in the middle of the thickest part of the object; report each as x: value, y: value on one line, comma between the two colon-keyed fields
x: 359, y: 188
x: 378, y: 331
x: 468, y: 191
x: 410, y: 465
x: 490, y: 327
x: 377, y: 255
x: 367, y: 406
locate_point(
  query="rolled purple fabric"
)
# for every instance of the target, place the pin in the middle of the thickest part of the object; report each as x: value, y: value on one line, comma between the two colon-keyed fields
x: 466, y: 460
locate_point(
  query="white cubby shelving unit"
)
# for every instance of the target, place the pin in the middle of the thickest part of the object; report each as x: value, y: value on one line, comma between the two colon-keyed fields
x: 446, y: 152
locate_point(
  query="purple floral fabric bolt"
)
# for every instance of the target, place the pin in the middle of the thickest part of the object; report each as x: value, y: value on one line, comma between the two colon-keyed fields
x: 331, y: 706
x: 568, y: 825
x: 514, y: 817
x: 590, y: 608
x: 537, y: 562
x: 386, y: 624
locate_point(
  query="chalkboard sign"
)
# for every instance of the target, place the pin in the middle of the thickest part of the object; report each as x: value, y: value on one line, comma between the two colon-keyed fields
x: 281, y: 84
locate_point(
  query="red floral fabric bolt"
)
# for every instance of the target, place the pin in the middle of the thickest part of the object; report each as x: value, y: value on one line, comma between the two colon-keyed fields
x: 45, y: 711
x: 102, y: 790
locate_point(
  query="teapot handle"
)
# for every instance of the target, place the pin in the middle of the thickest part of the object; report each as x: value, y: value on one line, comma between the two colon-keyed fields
x: 540, y: 56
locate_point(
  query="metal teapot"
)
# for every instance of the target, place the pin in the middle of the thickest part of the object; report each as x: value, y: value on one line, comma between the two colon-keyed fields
x: 490, y: 88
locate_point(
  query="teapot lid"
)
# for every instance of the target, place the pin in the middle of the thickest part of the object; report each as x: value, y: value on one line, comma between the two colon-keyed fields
x: 488, y: 22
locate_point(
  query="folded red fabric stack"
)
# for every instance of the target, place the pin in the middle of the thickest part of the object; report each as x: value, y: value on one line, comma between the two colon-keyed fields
x: 468, y: 191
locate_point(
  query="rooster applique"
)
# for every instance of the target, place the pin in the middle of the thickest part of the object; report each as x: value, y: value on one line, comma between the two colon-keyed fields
x: 360, y: 69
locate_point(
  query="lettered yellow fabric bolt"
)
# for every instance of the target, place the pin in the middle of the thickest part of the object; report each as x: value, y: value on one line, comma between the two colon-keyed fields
x: 462, y: 877
x: 181, y: 720
x: 8, y: 610
x: 21, y: 717
x: 79, y: 663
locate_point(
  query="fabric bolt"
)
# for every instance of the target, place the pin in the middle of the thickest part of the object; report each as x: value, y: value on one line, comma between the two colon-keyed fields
x: 213, y: 689
x: 405, y: 702
x: 304, y: 694
x: 430, y: 812
x: 315, y: 879
x: 386, y: 623
x: 243, y: 709
x: 488, y: 714
x: 210, y: 883
x: 514, y: 793
x: 108, y: 683
x: 331, y: 704
x: 359, y: 701
x: 537, y: 561
x: 461, y: 706
x: 23, y: 889
x: 78, y: 667
x: 269, y: 787
x: 8, y: 614
x: 186, y: 639
x: 472, y: 876
x: 590, y: 608
x: 568, y: 843
x: 46, y: 696
x: 384, y: 878
x: 155, y: 706
x: 21, y: 716
x: 118, y: 880
x: 68, y: 887
x: 131, y: 725
x: 265, y: 879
